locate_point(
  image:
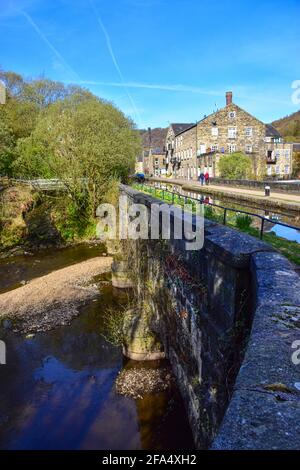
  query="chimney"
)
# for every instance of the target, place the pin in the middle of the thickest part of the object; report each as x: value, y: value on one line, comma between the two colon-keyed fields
x: 228, y: 98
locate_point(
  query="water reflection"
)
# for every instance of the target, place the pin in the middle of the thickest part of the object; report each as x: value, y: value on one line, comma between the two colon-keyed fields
x: 58, y: 392
x: 281, y: 215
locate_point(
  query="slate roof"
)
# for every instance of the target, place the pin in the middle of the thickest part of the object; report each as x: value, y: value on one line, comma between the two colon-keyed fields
x: 157, y: 151
x: 296, y: 147
x: 178, y: 128
x: 272, y: 132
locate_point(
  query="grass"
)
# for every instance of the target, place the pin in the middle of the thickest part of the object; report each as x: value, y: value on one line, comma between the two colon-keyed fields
x: 241, y: 222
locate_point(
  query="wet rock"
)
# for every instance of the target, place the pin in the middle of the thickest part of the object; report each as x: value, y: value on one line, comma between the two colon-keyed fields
x: 138, y: 382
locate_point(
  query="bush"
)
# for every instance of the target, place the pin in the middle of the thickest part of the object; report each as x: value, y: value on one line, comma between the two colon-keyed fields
x: 243, y: 221
x: 235, y: 166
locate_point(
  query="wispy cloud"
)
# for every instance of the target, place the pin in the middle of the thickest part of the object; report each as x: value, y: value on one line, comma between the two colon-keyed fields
x: 42, y: 36
x: 240, y: 92
x: 115, y: 62
x: 156, y: 86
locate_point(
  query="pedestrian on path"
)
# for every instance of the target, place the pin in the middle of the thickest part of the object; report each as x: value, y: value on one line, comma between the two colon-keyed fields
x: 201, y: 178
x: 206, y: 176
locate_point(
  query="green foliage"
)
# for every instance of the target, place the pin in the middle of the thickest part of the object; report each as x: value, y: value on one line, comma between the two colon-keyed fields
x: 289, y: 127
x: 235, y: 166
x: 243, y: 221
x: 7, y: 145
x: 296, y: 164
x: 83, y: 141
x: 70, y: 223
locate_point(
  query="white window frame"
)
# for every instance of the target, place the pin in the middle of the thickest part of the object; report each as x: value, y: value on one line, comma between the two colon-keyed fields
x: 232, y: 114
x: 232, y: 132
x: 248, y: 131
x: 231, y: 148
x: 248, y: 148
x: 277, y: 170
x: 287, y: 169
x: 215, y: 131
x: 214, y: 148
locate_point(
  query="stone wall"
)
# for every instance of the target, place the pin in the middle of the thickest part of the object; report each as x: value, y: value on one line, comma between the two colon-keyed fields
x: 238, y: 387
x: 293, y: 188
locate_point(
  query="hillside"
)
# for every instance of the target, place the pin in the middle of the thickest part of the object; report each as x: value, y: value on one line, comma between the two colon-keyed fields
x: 158, y: 136
x: 289, y: 127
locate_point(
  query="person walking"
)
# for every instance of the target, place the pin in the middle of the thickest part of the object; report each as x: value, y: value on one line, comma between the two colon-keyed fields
x: 206, y: 176
x: 201, y: 178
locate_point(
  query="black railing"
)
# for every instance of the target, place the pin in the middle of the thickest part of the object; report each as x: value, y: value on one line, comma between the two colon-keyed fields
x: 201, y: 200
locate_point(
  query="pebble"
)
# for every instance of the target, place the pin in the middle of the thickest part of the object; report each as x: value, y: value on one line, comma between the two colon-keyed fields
x: 138, y: 382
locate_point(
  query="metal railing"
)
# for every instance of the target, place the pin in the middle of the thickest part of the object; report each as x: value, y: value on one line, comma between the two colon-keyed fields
x: 201, y: 200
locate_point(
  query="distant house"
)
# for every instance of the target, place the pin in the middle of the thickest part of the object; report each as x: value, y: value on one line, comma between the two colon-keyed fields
x: 180, y: 150
x: 152, y: 160
x: 139, y: 165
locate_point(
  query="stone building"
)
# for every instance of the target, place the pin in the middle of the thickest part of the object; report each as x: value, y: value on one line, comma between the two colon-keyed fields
x: 154, y: 162
x: 232, y: 129
x: 139, y: 164
x: 186, y: 154
x: 180, y: 150
x: 279, y: 157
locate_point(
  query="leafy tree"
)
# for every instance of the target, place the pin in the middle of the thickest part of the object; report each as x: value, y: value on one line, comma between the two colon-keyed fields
x: 296, y: 165
x: 83, y: 141
x: 27, y: 98
x: 7, y: 145
x: 235, y: 166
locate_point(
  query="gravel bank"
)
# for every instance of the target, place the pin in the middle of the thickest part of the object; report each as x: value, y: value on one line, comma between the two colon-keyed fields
x: 54, y: 299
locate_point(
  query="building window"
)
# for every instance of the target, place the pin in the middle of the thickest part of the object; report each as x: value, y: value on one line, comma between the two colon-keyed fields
x: 231, y: 148
x: 287, y: 154
x: 214, y: 148
x: 248, y: 131
x: 277, y: 170
x: 269, y: 170
x: 231, y: 132
x: 156, y: 161
x: 215, y: 131
x: 232, y: 115
x: 248, y: 148
x: 287, y: 169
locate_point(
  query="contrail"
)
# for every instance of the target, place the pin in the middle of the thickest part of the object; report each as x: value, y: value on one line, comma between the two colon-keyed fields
x: 46, y: 41
x: 115, y: 62
x: 154, y: 86
x: 185, y: 89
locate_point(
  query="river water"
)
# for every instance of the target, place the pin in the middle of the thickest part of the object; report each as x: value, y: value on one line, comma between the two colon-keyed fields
x: 57, y: 390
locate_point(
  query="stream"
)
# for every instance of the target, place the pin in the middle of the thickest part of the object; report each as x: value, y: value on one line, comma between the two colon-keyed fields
x: 58, y: 388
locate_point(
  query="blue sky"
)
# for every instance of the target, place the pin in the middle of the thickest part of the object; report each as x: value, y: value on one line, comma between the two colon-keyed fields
x: 161, y: 61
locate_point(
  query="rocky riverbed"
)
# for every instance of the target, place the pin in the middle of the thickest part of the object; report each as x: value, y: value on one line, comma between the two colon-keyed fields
x: 52, y: 300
